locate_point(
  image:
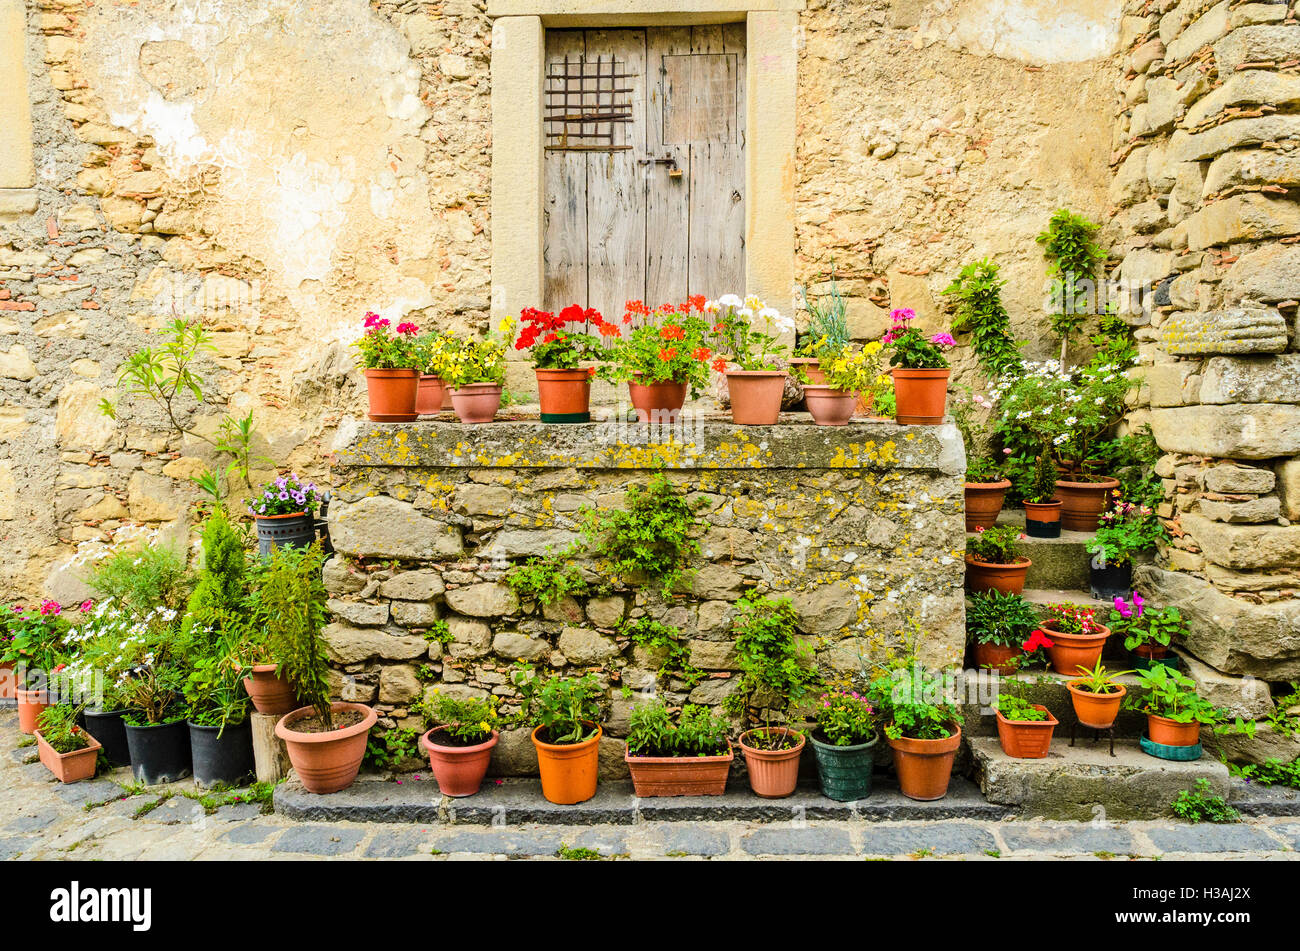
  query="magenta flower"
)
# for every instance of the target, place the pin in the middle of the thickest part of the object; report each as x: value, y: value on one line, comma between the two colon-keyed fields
x: 1122, y: 608
x: 902, y: 315
x: 86, y: 605
x: 1137, y: 603
x: 408, y: 329
x: 372, y: 319
x: 51, y: 607
x: 943, y: 340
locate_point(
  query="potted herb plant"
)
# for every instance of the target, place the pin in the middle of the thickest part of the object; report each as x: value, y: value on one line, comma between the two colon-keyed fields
x: 994, y: 562
x: 1077, y: 638
x: 1147, y: 632
x: 326, y: 741
x: 689, y: 757
x: 1096, y: 696
x: 391, y: 367
x: 775, y: 672
x: 1024, y: 729
x: 1042, y: 507
x: 996, y: 625
x: 757, y: 387
x: 559, y: 345
x: 1126, y: 531
x: 922, y: 727
x: 461, y: 741
x: 845, y: 374
x: 476, y: 375
x: 430, y: 351
x: 65, y: 749
x: 565, y: 714
x: 844, y: 745
x: 664, y: 354
x: 1175, y: 712
x: 920, y: 370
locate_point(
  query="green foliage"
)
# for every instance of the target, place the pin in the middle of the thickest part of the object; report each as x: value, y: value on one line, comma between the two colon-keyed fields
x: 915, y: 703
x: 999, y: 545
x: 568, y: 708
x: 391, y: 747
x: 1126, y: 531
x: 578, y: 854
x: 652, y: 536
x: 1041, y: 484
x: 1172, y: 695
x: 1099, y: 679
x: 438, y: 630
x: 655, y: 636
x: 845, y: 718
x: 1200, y: 805
x: 142, y: 579
x: 216, y: 604
x: 291, y: 604
x: 965, y: 406
x: 1019, y: 710
x: 1284, y: 721
x: 828, y: 325
x: 697, y: 732
x: 980, y: 312
x: 1002, y: 619
x: 1143, y: 626
x: 1271, y: 772
x: 775, y: 667
x: 58, y: 727
x: 1131, y: 459
x: 467, y: 720
x: 214, y: 690
x: 1073, y: 257
x: 546, y: 579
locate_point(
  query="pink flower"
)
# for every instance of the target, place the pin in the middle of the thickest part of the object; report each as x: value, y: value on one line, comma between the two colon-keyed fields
x: 86, y: 605
x: 51, y: 607
x: 408, y: 329
x: 1122, y: 608
x: 902, y: 315
x: 1137, y: 603
x: 943, y: 340
x: 372, y: 320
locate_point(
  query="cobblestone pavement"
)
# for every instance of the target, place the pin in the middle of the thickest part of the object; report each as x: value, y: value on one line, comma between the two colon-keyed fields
x: 109, y: 819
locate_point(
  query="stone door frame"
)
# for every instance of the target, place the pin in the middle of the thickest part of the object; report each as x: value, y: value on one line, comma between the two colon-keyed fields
x: 518, y: 179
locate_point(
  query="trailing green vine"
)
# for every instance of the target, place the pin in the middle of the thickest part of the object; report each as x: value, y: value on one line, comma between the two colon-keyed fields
x: 1073, y: 256
x: 981, y: 313
x: 654, y: 636
x: 653, y: 536
x: 547, y: 578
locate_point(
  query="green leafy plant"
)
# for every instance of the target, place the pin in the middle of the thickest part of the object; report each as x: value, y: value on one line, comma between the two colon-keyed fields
x: 547, y: 579
x: 390, y: 748
x: 1041, y: 485
x: 775, y: 666
x: 977, y: 294
x: 980, y: 464
x: 567, y: 708
x: 828, y: 325
x: 143, y: 578
x: 698, y: 731
x: 912, y: 349
x: 216, y: 604
x: 1131, y: 459
x: 1073, y: 258
x: 1172, y: 695
x: 214, y: 689
x: 1142, y: 626
x: 58, y: 727
x: 465, y: 721
x: 999, y: 545
x: 1272, y: 772
x: 291, y: 602
x: 1099, y: 680
x: 656, y: 637
x: 845, y: 718
x: 1002, y: 619
x: 378, y: 348
x: 915, y: 703
x: 1126, y: 531
x: 1201, y: 805
x: 1019, y: 710
x: 654, y: 535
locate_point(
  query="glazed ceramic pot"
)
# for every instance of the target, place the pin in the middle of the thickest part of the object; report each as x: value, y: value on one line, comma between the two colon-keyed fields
x: 69, y: 767
x: 564, y: 395
x: 829, y: 406
x: 984, y: 503
x: 987, y: 576
x: 429, y: 394
x: 271, y: 694
x: 1069, y: 652
x: 476, y: 403
x: 921, y: 396
x: 1043, y: 519
x: 1165, y: 732
x: 657, y: 402
x: 679, y: 775
x: 1026, y: 739
x: 459, y: 770
x: 392, y: 395
x: 1096, y: 710
x: 925, y: 766
x: 568, y: 770
x: 327, y: 762
x: 755, y: 396
x: 773, y: 774
x: 1083, y: 501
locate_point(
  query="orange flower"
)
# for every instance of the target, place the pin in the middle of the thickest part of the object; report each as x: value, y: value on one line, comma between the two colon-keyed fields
x: 702, y: 354
x: 668, y: 354
x: 672, y: 332
x: 720, y: 365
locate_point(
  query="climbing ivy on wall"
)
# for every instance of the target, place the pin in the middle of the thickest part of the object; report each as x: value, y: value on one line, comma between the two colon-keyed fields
x: 1073, y: 257
x: 981, y: 313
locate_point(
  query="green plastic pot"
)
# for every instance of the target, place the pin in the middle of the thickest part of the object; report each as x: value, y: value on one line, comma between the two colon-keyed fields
x: 845, y: 771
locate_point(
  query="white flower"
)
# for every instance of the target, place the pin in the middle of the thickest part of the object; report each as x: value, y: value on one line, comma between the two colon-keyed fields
x: 730, y: 300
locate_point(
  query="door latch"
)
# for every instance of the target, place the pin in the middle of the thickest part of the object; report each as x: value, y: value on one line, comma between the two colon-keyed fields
x: 674, y: 171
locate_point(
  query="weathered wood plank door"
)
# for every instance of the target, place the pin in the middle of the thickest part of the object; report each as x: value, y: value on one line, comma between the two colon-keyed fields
x: 645, y: 169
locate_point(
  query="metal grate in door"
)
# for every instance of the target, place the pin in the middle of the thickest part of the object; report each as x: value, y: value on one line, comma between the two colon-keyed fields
x: 587, y: 103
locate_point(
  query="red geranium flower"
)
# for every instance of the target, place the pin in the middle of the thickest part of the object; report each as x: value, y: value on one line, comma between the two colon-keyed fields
x: 672, y: 332
x: 668, y: 354
x: 702, y: 354
x: 1036, y: 640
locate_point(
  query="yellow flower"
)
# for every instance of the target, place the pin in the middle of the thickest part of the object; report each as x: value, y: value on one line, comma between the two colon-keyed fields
x: 484, y: 725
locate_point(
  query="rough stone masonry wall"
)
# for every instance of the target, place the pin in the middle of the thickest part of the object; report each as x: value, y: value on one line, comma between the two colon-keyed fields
x: 861, y: 527
x: 1207, y: 189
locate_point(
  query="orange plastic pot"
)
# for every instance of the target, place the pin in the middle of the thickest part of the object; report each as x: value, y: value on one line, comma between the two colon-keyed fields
x: 1083, y: 502
x: 984, y: 502
x: 568, y: 770
x: 925, y: 766
x: 392, y: 395
x: 996, y: 657
x: 1026, y: 739
x: 657, y: 402
x: 270, y: 693
x: 1096, y: 710
x: 1069, y: 652
x: 829, y: 406
x: 812, y: 368
x: 679, y: 775
x: 31, y: 704
x: 921, y: 396
x: 1166, y: 732
x: 564, y: 395
x: 459, y: 770
x: 1043, y: 519
x: 327, y: 762
x: 69, y: 767
x: 755, y: 396
x: 987, y: 576
x: 773, y: 774
x: 428, y: 395
x: 476, y: 403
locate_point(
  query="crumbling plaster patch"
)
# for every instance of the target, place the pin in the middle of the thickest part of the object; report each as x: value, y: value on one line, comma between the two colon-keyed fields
x: 1032, y: 31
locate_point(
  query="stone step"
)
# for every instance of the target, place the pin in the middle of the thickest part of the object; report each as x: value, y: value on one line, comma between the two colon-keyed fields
x: 1057, y: 562
x: 1048, y: 688
x: 1087, y: 783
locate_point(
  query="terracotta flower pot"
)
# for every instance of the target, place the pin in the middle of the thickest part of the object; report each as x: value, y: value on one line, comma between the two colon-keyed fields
x: 1151, y: 651
x: 679, y: 775
x: 1069, y: 652
x: 1043, y: 519
x: 327, y: 762
x: 984, y: 502
x: 772, y: 774
x: 428, y: 395
x: 392, y: 395
x: 476, y: 402
x: 1096, y: 710
x: 987, y: 576
x: 921, y: 396
x: 69, y: 767
x: 755, y: 396
x: 925, y: 766
x: 565, y: 395
x: 459, y: 770
x: 1026, y: 739
x: 8, y: 682
x: 829, y: 406
x: 271, y: 694
x: 657, y: 402
x: 1166, y: 732
x: 568, y: 770
x: 996, y: 657
x: 1083, y: 502
x: 812, y: 368
x: 31, y: 704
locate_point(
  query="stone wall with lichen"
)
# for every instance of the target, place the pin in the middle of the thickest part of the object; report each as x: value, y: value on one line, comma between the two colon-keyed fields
x: 861, y: 527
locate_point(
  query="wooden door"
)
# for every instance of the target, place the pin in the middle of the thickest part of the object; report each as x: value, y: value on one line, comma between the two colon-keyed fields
x: 645, y: 172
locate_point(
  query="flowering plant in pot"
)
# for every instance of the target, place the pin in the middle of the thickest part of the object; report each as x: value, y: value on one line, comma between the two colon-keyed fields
x: 846, y: 375
x: 65, y: 749
x: 775, y: 672
x: 1077, y: 638
x: 1176, y: 712
x: 922, y: 726
x: 559, y: 346
x: 1096, y: 696
x: 997, y: 624
x: 665, y: 353
x: 757, y: 387
x: 431, y: 351
x: 1042, y: 507
x: 285, y: 513
x: 461, y: 741
x: 1147, y: 632
x: 986, y: 486
x: 36, y: 649
x: 994, y: 562
x: 391, y: 367
x: 1024, y: 729
x: 844, y: 744
x: 920, y: 370
x: 1034, y: 651
x: 565, y: 713
x: 1126, y: 531
x: 689, y: 757
x: 475, y: 372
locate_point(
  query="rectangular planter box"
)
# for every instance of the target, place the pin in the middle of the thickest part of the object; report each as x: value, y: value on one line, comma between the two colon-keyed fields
x: 69, y: 767
x: 680, y: 775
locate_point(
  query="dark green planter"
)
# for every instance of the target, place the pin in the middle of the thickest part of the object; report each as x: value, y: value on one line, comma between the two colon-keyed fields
x: 845, y: 771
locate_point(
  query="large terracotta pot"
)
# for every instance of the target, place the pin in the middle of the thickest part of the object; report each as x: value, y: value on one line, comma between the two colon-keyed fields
x: 271, y: 694
x: 1166, y: 732
x: 925, y: 766
x: 1043, y: 519
x: 476, y: 402
x: 772, y: 774
x: 31, y: 704
x: 921, y: 395
x: 1069, y: 652
x: 564, y: 395
x: 1026, y: 739
x: 829, y: 406
x: 1151, y: 651
x: 8, y: 682
x: 429, y: 394
x: 568, y: 770
x: 984, y: 502
x: 327, y: 762
x: 996, y: 657
x: 657, y: 402
x: 459, y: 770
x: 69, y: 767
x: 392, y: 395
x: 679, y: 775
x: 1096, y: 710
x: 1083, y: 502
x: 812, y: 368
x: 755, y: 396
x: 987, y: 576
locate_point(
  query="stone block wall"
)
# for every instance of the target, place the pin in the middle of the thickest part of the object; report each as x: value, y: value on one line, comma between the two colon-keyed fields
x: 1207, y: 195
x: 861, y: 527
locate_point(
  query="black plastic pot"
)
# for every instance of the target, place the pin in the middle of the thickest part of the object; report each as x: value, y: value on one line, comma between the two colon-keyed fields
x: 1111, y: 581
x: 296, y: 531
x: 108, y: 728
x: 227, y: 758
x: 159, y: 753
